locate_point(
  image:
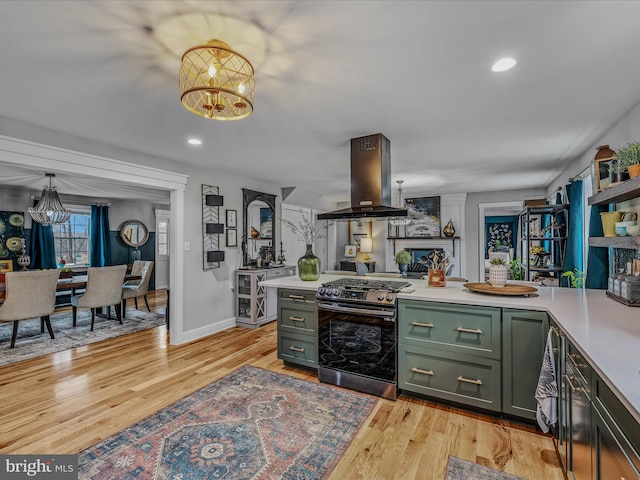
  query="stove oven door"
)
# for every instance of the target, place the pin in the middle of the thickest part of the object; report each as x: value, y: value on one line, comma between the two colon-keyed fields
x: 358, y: 342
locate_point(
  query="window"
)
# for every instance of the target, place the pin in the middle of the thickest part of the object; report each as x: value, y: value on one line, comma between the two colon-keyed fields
x: 72, y: 239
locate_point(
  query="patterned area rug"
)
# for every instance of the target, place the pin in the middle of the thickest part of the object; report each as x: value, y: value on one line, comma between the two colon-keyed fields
x: 459, y: 469
x: 31, y: 343
x: 251, y: 424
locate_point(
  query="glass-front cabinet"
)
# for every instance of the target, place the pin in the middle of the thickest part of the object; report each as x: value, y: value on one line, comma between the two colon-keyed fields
x: 255, y: 304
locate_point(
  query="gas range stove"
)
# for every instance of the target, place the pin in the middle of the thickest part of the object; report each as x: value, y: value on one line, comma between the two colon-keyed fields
x: 361, y: 290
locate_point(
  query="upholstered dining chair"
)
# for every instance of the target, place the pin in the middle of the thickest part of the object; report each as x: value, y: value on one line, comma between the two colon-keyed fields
x: 104, y: 289
x: 137, y: 288
x: 29, y: 295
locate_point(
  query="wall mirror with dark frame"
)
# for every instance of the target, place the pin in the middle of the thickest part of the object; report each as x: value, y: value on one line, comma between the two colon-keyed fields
x: 258, y: 228
x: 134, y: 233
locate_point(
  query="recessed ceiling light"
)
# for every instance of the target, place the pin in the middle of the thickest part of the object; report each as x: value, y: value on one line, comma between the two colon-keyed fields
x: 503, y: 65
x: 194, y: 141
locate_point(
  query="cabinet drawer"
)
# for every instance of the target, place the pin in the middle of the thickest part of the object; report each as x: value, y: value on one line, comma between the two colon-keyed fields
x: 300, y: 319
x: 455, y: 328
x: 465, y: 379
x: 299, y: 349
x: 297, y: 296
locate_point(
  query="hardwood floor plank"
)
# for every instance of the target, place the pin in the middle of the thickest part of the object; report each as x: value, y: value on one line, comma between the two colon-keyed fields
x: 65, y: 402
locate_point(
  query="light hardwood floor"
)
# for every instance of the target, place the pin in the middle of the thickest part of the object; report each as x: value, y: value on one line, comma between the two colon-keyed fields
x: 65, y: 402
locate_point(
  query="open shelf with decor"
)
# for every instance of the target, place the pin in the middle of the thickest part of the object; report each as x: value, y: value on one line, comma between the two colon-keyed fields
x: 628, y: 190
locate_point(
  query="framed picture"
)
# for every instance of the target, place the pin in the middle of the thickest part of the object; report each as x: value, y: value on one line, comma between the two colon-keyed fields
x: 350, y: 251
x: 429, y: 225
x: 6, y: 266
x: 232, y: 238
x: 232, y: 218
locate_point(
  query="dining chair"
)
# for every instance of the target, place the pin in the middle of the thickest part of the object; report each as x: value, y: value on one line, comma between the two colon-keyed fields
x: 29, y: 295
x: 104, y: 289
x: 137, y: 288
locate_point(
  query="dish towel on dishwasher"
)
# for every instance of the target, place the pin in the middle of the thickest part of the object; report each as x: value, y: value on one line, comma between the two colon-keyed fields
x: 547, y: 390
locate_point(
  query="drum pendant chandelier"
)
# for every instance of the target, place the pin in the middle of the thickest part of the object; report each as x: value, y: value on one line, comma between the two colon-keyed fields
x: 216, y: 82
x: 49, y: 209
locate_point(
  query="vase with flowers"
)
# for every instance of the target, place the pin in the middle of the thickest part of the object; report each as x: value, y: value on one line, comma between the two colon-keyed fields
x: 307, y: 231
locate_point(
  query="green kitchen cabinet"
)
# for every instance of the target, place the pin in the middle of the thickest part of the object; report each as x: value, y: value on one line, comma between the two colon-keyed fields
x: 451, y: 352
x: 524, y: 338
x: 298, y: 327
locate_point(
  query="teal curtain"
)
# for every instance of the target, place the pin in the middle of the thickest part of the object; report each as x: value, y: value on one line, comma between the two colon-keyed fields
x: 598, y: 257
x: 99, y: 236
x: 43, y: 247
x: 575, y: 240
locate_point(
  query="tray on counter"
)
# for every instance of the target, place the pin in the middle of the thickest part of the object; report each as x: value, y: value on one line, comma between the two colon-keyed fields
x: 508, y: 290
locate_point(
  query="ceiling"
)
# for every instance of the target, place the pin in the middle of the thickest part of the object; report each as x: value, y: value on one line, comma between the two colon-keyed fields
x: 416, y: 71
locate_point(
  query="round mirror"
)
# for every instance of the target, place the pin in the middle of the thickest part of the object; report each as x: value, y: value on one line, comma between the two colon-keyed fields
x: 134, y: 233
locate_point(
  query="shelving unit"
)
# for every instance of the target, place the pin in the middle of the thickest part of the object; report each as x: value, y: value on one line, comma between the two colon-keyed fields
x: 626, y: 191
x: 211, y: 227
x: 529, y: 238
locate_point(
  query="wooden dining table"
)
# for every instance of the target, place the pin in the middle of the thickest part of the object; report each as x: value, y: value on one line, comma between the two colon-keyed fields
x: 71, y: 284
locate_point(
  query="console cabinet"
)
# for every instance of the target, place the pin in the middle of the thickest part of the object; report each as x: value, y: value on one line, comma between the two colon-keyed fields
x: 298, y: 327
x: 255, y: 304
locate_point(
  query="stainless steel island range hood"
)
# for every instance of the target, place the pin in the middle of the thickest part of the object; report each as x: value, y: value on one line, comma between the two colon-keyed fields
x: 370, y: 181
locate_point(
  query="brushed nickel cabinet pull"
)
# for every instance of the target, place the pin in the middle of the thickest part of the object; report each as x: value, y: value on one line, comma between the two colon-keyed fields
x: 296, y: 319
x: 297, y: 297
x: 420, y: 324
x: 296, y: 349
x: 424, y: 372
x: 571, y: 385
x: 469, y: 330
x: 468, y: 380
x: 573, y: 357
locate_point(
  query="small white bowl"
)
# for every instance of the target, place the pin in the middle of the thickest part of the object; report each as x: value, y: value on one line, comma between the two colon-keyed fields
x: 626, y: 224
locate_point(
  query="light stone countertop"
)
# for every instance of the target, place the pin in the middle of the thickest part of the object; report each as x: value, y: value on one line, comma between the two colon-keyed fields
x: 606, y: 332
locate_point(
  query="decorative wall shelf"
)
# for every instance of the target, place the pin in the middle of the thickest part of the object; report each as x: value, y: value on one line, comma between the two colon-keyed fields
x: 211, y: 227
x: 620, y: 193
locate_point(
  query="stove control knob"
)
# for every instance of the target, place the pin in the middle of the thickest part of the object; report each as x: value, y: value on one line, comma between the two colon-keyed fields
x: 320, y: 292
x: 380, y: 297
x: 389, y: 298
x: 335, y: 292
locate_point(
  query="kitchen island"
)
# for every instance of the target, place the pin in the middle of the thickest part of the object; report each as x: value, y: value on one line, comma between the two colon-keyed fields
x: 606, y: 332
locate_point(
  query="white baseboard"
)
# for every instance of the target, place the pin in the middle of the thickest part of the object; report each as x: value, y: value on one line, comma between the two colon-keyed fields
x: 201, y: 332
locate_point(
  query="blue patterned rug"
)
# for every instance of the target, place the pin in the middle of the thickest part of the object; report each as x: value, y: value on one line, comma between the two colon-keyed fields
x: 459, y: 469
x: 31, y: 343
x: 251, y: 424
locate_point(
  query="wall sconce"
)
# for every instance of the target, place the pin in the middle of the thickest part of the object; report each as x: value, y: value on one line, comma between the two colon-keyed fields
x: 366, y: 247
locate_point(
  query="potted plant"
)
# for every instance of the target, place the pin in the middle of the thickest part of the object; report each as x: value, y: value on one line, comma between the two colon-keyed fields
x: 617, y: 171
x: 576, y: 278
x: 498, y: 272
x: 403, y: 259
x: 516, y: 269
x: 629, y: 158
